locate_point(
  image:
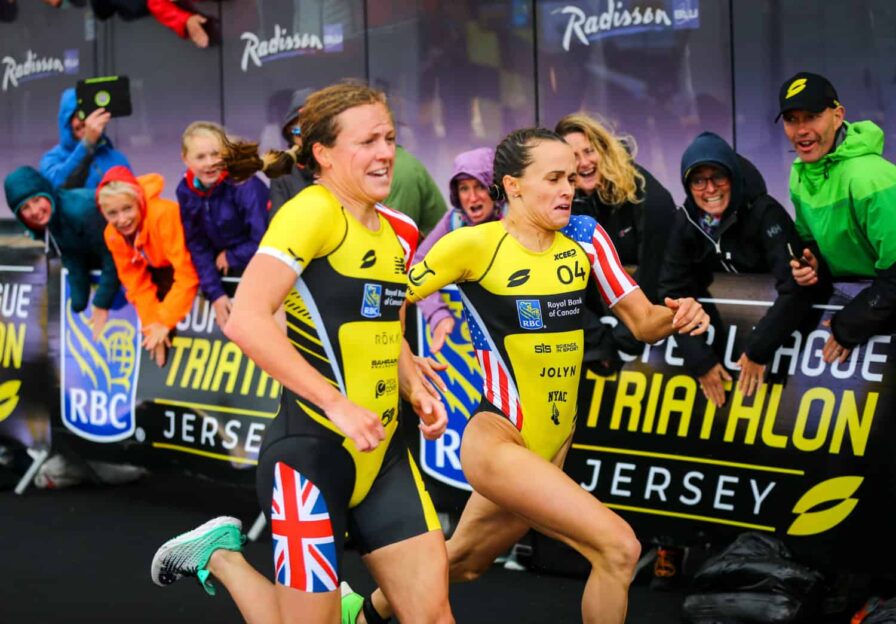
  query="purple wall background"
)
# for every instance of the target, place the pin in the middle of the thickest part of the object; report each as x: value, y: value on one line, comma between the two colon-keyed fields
x: 462, y: 74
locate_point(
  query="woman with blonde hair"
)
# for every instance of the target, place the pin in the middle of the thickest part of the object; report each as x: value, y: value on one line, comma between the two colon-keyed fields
x: 628, y: 202
x: 223, y: 220
x: 633, y: 208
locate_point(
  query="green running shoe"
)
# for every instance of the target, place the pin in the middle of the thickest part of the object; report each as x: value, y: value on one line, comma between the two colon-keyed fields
x: 351, y: 603
x: 188, y: 553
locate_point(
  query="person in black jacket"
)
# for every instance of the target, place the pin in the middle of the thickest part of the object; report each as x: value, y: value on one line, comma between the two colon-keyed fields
x: 633, y: 208
x: 288, y: 186
x: 730, y: 223
x: 627, y: 201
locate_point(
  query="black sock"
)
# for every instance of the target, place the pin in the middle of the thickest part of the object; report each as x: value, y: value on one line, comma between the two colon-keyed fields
x: 370, y: 613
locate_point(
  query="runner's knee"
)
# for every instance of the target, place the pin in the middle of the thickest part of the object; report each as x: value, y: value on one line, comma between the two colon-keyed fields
x: 465, y: 566
x: 428, y: 612
x: 616, y: 553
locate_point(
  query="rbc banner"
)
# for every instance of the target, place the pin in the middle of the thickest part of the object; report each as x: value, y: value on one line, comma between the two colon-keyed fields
x: 25, y: 367
x: 98, y: 376
x: 440, y: 459
x: 209, y: 405
x: 207, y: 408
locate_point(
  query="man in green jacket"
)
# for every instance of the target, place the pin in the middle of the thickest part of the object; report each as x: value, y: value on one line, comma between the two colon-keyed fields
x: 844, y: 194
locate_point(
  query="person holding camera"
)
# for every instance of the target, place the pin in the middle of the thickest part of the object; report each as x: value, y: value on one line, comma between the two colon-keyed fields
x: 843, y: 192
x: 84, y: 153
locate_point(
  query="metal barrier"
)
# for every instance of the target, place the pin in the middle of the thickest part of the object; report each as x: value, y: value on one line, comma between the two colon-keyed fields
x: 808, y: 458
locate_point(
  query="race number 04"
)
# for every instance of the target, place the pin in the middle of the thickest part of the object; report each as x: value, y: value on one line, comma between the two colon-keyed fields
x: 565, y: 273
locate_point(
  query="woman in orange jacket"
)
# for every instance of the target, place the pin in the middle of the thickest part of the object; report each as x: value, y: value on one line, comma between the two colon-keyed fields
x: 146, y: 238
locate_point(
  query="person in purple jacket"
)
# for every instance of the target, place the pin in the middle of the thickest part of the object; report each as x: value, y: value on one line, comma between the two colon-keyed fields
x: 223, y: 221
x: 472, y: 205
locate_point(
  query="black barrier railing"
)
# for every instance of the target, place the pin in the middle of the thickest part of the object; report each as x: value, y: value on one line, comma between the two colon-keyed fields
x: 808, y: 458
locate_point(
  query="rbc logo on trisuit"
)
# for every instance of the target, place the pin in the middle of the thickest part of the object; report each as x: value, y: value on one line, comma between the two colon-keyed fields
x: 99, y: 377
x: 529, y: 313
x: 370, y: 305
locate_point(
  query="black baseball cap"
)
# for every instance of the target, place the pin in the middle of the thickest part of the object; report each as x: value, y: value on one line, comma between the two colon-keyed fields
x: 806, y: 91
x: 297, y: 101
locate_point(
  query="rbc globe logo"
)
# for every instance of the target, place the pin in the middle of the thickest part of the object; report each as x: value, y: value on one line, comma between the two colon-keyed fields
x: 370, y: 304
x: 529, y: 313
x: 99, y: 377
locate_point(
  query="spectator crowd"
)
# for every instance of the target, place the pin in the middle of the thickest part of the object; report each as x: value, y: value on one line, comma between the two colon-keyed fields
x: 90, y: 207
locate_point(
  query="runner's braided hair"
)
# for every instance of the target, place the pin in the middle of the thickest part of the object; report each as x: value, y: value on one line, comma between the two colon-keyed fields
x: 319, y: 124
x: 241, y: 159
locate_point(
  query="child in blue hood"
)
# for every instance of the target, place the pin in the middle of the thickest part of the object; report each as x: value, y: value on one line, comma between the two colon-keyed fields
x: 84, y: 153
x: 70, y: 223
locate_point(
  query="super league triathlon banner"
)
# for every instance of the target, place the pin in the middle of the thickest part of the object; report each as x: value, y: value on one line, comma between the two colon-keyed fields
x: 210, y: 401
x: 206, y: 409
x: 810, y: 457
x: 25, y: 366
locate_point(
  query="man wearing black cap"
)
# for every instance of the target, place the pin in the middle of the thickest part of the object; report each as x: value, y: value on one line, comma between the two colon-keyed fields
x: 286, y: 187
x: 844, y: 194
